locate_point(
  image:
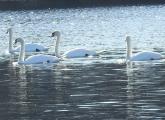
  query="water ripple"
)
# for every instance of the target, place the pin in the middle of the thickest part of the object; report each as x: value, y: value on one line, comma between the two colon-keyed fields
x: 102, y: 87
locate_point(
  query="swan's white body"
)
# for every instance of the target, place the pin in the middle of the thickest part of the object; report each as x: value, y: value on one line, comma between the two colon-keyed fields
x: 146, y: 55
x: 74, y: 53
x: 34, y: 59
x: 79, y: 52
x: 40, y: 59
x: 141, y: 56
x: 29, y: 47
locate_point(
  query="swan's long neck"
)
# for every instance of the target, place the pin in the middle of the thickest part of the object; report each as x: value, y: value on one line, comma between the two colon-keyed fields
x: 57, y: 46
x: 10, y: 41
x: 129, y: 48
x: 22, y: 52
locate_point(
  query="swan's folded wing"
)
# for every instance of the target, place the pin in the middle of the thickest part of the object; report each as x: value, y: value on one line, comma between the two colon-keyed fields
x: 40, y: 59
x: 146, y: 55
x: 79, y: 52
x: 31, y: 47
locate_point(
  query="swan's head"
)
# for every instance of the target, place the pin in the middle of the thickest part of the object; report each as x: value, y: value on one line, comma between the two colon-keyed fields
x: 56, y: 33
x: 18, y: 40
x: 9, y: 30
x: 128, y: 39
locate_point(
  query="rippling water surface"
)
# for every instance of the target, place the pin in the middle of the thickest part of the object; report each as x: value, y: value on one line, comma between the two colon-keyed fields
x: 95, y: 88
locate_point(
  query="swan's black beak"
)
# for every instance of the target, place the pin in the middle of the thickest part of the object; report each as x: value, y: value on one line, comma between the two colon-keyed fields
x: 14, y: 44
x: 52, y: 35
x: 7, y: 31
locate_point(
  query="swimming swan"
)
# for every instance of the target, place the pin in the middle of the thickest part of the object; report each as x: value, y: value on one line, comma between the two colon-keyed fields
x: 34, y: 59
x: 30, y: 47
x: 141, y: 56
x: 74, y: 53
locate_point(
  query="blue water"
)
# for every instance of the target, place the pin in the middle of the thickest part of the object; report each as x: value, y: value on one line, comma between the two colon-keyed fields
x: 98, y: 88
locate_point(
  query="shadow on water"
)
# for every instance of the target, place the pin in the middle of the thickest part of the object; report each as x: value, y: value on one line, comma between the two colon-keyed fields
x: 72, y: 90
x: 145, y: 90
x: 65, y: 92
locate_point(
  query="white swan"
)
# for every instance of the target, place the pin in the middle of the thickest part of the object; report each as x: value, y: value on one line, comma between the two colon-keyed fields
x: 29, y: 47
x: 34, y: 59
x: 74, y: 53
x: 141, y: 56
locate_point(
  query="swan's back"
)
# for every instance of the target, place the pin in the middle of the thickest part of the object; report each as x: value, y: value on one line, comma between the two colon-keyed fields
x: 40, y: 59
x: 32, y: 47
x: 146, y: 55
x: 79, y: 53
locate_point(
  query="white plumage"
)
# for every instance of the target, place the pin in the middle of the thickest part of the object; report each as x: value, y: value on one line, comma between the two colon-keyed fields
x: 79, y: 52
x: 34, y: 59
x: 141, y: 56
x: 146, y: 55
x: 29, y: 47
x: 40, y: 59
x: 74, y: 53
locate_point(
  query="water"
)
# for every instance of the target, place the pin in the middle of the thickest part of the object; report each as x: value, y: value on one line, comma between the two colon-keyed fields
x: 96, y: 88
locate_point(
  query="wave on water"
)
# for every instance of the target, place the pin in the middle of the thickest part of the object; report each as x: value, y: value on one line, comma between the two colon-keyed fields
x: 4, y: 55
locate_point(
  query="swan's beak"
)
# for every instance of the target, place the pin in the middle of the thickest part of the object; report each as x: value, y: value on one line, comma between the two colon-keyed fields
x: 7, y: 32
x: 127, y: 38
x: 15, y: 42
x: 52, y: 35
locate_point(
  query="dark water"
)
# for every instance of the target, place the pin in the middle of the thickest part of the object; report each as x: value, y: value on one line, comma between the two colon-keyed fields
x: 99, y: 88
x: 66, y: 91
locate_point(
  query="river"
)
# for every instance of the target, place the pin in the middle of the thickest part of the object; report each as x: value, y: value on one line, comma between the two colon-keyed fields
x: 102, y: 87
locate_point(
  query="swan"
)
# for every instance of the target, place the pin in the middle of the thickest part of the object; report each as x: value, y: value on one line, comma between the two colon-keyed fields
x: 74, y: 53
x: 34, y: 59
x: 141, y: 56
x: 29, y: 47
